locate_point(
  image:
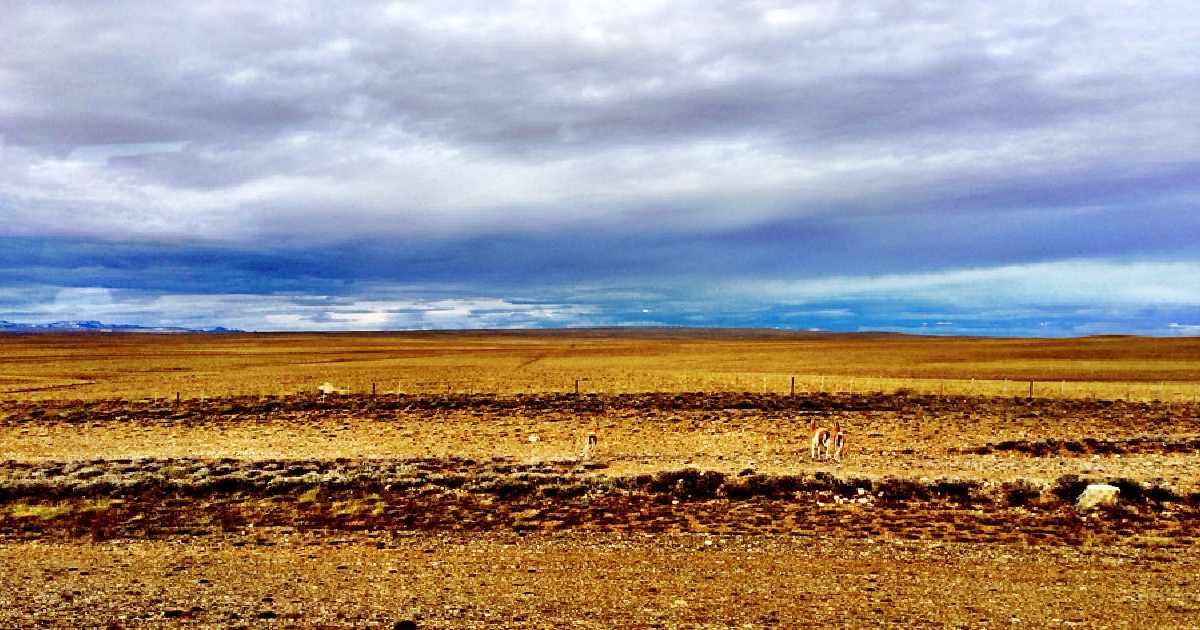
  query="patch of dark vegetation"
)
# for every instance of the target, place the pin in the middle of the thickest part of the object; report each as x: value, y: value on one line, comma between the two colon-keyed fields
x: 1021, y: 493
x: 1052, y: 447
x: 385, y: 406
x: 1068, y: 488
x: 1133, y: 491
x: 756, y: 485
x: 907, y: 490
x: 955, y: 490
x: 172, y: 497
x: 683, y: 484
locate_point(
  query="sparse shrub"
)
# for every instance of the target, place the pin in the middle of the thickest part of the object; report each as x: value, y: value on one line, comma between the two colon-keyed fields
x: 1160, y: 494
x: 850, y: 487
x: 737, y: 488
x: 508, y: 488
x: 310, y: 496
x: 1068, y: 488
x: 823, y: 481
x: 956, y: 490
x: 687, y: 483
x: 447, y: 481
x: 564, y: 491
x: 901, y: 489
x: 1132, y: 491
x: 39, y: 511
x: 236, y: 482
x: 1021, y: 493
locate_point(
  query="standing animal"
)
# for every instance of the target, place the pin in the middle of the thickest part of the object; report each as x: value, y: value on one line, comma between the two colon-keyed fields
x: 588, y: 444
x: 838, y: 441
x: 818, y: 440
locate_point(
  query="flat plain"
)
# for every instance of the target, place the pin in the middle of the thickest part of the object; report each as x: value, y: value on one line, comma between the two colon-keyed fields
x: 204, y: 480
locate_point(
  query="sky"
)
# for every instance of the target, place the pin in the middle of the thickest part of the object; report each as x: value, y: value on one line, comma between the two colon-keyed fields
x: 994, y: 168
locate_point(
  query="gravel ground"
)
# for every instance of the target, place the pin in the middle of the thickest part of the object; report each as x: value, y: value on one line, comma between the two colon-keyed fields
x: 504, y: 580
x: 897, y: 436
x: 470, y: 512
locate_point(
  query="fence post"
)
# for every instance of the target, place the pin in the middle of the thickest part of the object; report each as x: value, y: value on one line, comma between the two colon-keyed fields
x: 793, y: 386
x: 1030, y: 390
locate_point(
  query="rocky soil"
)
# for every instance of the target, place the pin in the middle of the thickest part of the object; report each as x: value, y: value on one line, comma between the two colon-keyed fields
x: 382, y: 579
x: 695, y: 510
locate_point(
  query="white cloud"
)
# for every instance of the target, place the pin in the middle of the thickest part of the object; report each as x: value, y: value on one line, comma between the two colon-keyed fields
x: 1068, y: 282
x: 300, y: 312
x: 500, y: 116
x: 735, y: 136
x: 105, y: 152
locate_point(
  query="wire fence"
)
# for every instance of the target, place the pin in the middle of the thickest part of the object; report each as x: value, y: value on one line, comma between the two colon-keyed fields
x: 726, y: 382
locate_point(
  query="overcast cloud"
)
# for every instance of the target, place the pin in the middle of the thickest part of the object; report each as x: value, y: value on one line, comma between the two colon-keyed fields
x: 1000, y: 168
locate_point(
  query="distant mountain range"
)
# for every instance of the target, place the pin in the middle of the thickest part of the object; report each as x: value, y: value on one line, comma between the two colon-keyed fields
x: 95, y: 326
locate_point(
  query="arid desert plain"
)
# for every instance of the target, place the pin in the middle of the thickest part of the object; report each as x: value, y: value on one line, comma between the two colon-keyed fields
x: 446, y: 480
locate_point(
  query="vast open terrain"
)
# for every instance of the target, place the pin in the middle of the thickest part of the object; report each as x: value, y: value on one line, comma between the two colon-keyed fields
x: 188, y: 479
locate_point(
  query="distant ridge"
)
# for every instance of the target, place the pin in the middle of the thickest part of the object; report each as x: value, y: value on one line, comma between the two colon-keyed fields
x: 89, y: 325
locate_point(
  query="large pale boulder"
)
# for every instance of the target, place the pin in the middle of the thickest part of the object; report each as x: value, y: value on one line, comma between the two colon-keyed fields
x: 1096, y: 495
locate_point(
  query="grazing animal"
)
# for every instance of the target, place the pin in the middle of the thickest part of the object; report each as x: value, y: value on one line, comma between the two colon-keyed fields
x: 818, y: 440
x: 838, y: 441
x: 588, y: 444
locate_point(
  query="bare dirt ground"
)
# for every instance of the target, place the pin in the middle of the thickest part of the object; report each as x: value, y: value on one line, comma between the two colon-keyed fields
x: 904, y: 436
x: 694, y: 510
x: 504, y: 580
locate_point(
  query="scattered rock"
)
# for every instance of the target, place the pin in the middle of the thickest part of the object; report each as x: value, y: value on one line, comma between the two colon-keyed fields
x: 1096, y: 495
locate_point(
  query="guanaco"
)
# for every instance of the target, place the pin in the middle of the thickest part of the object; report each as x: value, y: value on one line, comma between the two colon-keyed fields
x: 839, y: 441
x: 588, y: 444
x: 818, y: 440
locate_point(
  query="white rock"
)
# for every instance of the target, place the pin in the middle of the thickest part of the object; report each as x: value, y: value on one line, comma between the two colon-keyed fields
x: 1096, y: 495
x: 330, y: 388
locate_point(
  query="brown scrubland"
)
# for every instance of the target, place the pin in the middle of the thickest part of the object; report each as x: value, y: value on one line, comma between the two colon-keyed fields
x: 150, y: 480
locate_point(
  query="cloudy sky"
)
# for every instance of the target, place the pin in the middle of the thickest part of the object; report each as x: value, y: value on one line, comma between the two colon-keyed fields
x: 1008, y: 168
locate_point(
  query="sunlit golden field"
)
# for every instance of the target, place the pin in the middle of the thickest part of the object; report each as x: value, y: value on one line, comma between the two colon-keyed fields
x: 140, y: 366
x: 447, y: 487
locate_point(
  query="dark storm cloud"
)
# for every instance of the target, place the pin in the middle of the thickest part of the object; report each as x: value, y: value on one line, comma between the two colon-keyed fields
x: 554, y: 163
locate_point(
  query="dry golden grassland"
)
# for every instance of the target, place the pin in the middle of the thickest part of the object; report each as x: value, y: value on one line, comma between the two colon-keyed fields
x: 455, y: 495
x: 76, y: 366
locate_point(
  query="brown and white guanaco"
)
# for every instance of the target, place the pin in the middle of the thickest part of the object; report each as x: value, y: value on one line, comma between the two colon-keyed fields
x: 818, y: 440
x: 838, y: 440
